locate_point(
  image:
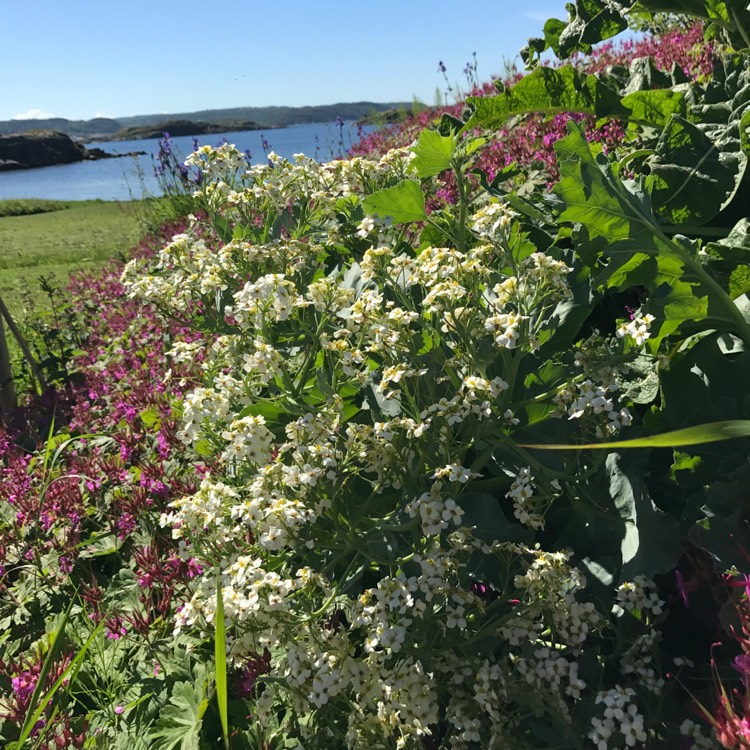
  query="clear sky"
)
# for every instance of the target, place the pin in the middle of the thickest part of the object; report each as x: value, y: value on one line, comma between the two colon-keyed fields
x: 85, y: 58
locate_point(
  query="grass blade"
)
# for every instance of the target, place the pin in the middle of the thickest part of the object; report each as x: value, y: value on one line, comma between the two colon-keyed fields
x: 42, y: 701
x: 712, y: 432
x: 220, y: 653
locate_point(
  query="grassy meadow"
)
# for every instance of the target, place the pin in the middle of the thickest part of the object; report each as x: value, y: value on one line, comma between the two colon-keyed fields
x: 39, y: 238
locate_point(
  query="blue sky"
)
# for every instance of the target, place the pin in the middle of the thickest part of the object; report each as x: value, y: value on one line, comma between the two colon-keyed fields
x: 85, y: 58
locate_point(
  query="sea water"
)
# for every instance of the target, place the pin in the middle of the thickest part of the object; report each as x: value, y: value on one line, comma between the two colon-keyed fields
x: 132, y: 177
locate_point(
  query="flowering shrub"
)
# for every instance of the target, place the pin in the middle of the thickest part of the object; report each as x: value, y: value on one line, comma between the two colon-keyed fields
x: 373, y: 520
x: 333, y: 467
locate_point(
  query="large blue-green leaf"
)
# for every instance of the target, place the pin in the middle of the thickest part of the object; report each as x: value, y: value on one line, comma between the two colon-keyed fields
x: 693, y: 176
x: 651, y: 543
x: 634, y: 250
x: 730, y: 257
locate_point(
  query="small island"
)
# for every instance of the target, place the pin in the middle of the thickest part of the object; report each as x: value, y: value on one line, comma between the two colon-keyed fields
x: 180, y: 128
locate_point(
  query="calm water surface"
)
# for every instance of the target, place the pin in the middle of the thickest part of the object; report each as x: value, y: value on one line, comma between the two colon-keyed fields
x: 132, y: 177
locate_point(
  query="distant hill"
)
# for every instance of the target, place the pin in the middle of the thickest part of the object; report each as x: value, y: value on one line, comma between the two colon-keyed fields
x: 278, y: 116
x: 73, y: 128
x: 266, y: 116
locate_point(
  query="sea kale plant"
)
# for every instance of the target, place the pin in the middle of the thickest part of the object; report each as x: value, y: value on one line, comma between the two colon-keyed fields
x: 392, y: 554
x: 450, y: 446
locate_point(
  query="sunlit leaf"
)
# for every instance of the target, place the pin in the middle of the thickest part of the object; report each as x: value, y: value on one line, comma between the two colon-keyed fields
x: 403, y: 203
x: 432, y: 153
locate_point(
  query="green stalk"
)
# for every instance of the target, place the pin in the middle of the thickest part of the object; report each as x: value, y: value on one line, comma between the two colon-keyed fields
x: 220, y: 654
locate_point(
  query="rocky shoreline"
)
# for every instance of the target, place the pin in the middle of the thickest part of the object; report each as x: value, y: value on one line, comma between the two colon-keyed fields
x: 46, y: 148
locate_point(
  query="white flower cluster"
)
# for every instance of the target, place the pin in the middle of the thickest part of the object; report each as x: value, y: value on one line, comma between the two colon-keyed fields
x: 638, y: 329
x: 620, y: 719
x: 435, y: 512
x: 638, y: 660
x: 588, y: 400
x: 526, y: 506
x: 701, y: 741
x: 493, y: 221
x: 639, y: 595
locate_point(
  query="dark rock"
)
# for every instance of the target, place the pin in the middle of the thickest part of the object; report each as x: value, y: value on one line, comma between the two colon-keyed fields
x: 38, y: 149
x: 45, y: 148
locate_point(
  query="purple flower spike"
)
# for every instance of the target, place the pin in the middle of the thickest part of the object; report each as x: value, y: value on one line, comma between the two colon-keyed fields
x: 742, y: 664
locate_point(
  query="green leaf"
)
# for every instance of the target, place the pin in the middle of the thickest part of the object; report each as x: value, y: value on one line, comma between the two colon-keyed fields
x: 589, y: 22
x: 179, y: 724
x: 654, y: 106
x: 150, y: 416
x: 41, y: 699
x: 220, y: 655
x: 636, y: 251
x: 403, y: 203
x: 729, y: 19
x: 204, y: 448
x: 484, y: 515
x: 745, y: 133
x: 592, y: 21
x: 652, y: 542
x: 697, y: 435
x: 269, y: 409
x: 432, y: 153
x: 548, y: 90
x: 731, y: 256
x: 594, y: 198
x: 692, y: 177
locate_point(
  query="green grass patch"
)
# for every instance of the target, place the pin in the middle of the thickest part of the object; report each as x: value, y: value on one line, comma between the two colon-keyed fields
x: 30, y: 206
x: 38, y: 238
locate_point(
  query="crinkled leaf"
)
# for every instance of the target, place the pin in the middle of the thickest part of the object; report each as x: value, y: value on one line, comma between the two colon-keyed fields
x: 640, y: 381
x: 179, y: 724
x: 432, y: 153
x: 403, y: 203
x: 592, y: 21
x: 645, y: 76
x: 693, y: 176
x: 731, y: 255
x: 655, y: 106
x: 728, y: 18
x: 636, y: 251
x: 548, y: 90
x: 745, y: 133
x: 589, y: 22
